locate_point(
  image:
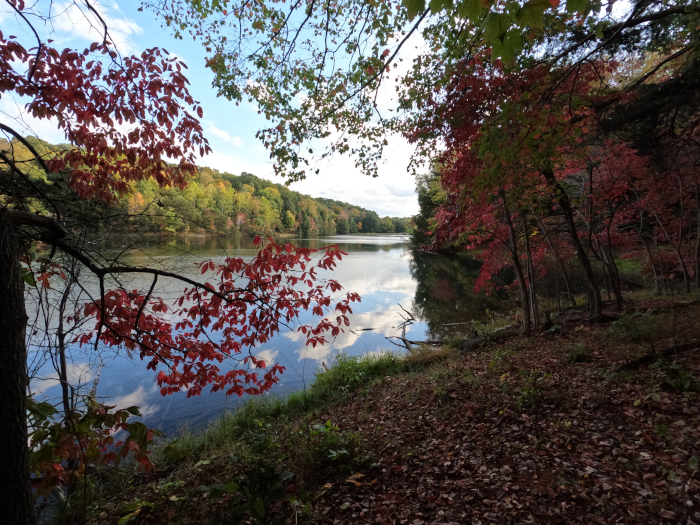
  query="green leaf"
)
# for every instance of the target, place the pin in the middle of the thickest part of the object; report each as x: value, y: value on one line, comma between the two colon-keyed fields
x: 577, y: 6
x: 134, y: 509
x: 511, y: 44
x: 286, y: 475
x: 532, y: 13
x: 173, y: 452
x: 495, y: 26
x: 438, y: 5
x: 29, y: 278
x: 230, y: 487
x: 470, y: 9
x: 136, y: 505
x: 693, y: 463
x: 413, y: 7
x: 260, y: 507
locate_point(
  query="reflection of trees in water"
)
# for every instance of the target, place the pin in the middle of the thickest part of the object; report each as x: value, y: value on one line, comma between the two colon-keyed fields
x: 211, y: 245
x: 445, y: 293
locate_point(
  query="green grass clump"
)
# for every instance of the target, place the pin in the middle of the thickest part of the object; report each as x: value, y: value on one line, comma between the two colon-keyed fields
x: 346, y: 375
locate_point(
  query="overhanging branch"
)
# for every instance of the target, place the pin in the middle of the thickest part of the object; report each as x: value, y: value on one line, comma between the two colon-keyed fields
x: 54, y: 234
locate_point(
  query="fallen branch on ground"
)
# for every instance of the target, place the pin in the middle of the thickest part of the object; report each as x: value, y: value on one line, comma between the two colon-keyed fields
x: 650, y: 358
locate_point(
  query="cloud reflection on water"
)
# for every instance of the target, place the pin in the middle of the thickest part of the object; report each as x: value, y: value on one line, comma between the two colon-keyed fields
x: 76, y: 373
x: 376, y: 268
x: 136, y: 398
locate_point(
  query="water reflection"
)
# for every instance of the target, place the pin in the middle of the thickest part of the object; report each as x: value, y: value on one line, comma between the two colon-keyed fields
x: 445, y: 297
x: 439, y: 290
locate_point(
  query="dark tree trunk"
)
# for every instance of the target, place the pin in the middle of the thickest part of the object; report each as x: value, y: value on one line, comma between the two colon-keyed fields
x: 518, y: 267
x: 614, y: 275
x: 562, y: 268
x: 676, y: 250
x: 565, y: 205
x: 661, y: 263
x: 657, y: 281
x: 530, y: 272
x: 697, y: 237
x: 15, y: 493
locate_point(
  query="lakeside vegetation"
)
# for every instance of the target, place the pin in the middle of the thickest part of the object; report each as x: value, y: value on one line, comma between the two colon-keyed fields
x: 222, y: 203
x: 556, y: 141
x: 444, y: 435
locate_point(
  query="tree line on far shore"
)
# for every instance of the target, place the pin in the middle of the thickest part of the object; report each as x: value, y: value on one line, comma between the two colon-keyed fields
x: 219, y: 202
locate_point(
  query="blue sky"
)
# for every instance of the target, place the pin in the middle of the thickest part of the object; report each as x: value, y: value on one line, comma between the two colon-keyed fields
x: 230, y: 129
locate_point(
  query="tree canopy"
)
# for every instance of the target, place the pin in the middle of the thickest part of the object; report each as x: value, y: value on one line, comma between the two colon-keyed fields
x: 541, y: 115
x: 317, y: 69
x: 127, y: 121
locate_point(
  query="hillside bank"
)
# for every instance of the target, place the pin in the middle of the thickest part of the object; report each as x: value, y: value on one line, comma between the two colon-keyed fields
x: 568, y: 426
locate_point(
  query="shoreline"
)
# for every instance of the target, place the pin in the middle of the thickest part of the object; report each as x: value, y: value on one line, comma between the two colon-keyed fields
x: 479, y: 430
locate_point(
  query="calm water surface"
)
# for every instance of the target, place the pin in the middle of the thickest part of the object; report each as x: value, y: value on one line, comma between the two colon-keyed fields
x: 437, y: 289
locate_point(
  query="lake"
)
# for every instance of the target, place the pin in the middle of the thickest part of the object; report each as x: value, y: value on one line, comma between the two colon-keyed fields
x: 437, y: 289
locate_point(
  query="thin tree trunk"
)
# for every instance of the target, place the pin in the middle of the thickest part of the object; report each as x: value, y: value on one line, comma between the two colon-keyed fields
x: 610, y: 268
x: 606, y: 278
x: 686, y: 274
x: 676, y: 250
x: 518, y: 267
x: 646, y: 247
x: 615, y: 275
x: 661, y: 263
x: 61, y: 340
x: 657, y: 279
x: 565, y: 205
x: 15, y: 493
x: 530, y: 271
x: 564, y: 273
x: 697, y: 237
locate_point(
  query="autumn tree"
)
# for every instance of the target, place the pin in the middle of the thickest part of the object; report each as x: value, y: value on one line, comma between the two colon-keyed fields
x: 316, y: 69
x: 321, y: 70
x: 125, y: 119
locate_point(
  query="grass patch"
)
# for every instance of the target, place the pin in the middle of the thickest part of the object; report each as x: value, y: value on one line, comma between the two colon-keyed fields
x: 330, y: 386
x: 375, y: 421
x: 246, y: 466
x: 630, y: 267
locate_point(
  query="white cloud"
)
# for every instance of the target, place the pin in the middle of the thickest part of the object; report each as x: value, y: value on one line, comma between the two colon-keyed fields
x: 223, y: 135
x: 268, y: 356
x: 391, y: 193
x: 71, y: 21
x: 320, y: 353
x: 234, y: 164
x: 383, y: 321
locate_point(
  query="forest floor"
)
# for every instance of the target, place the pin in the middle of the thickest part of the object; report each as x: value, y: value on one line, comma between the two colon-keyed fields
x: 562, y: 427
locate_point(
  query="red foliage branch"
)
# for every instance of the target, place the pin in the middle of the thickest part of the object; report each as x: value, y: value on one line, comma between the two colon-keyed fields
x: 126, y: 120
x: 245, y: 306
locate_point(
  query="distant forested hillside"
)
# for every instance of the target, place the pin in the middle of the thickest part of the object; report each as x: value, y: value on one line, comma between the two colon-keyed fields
x: 219, y: 202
